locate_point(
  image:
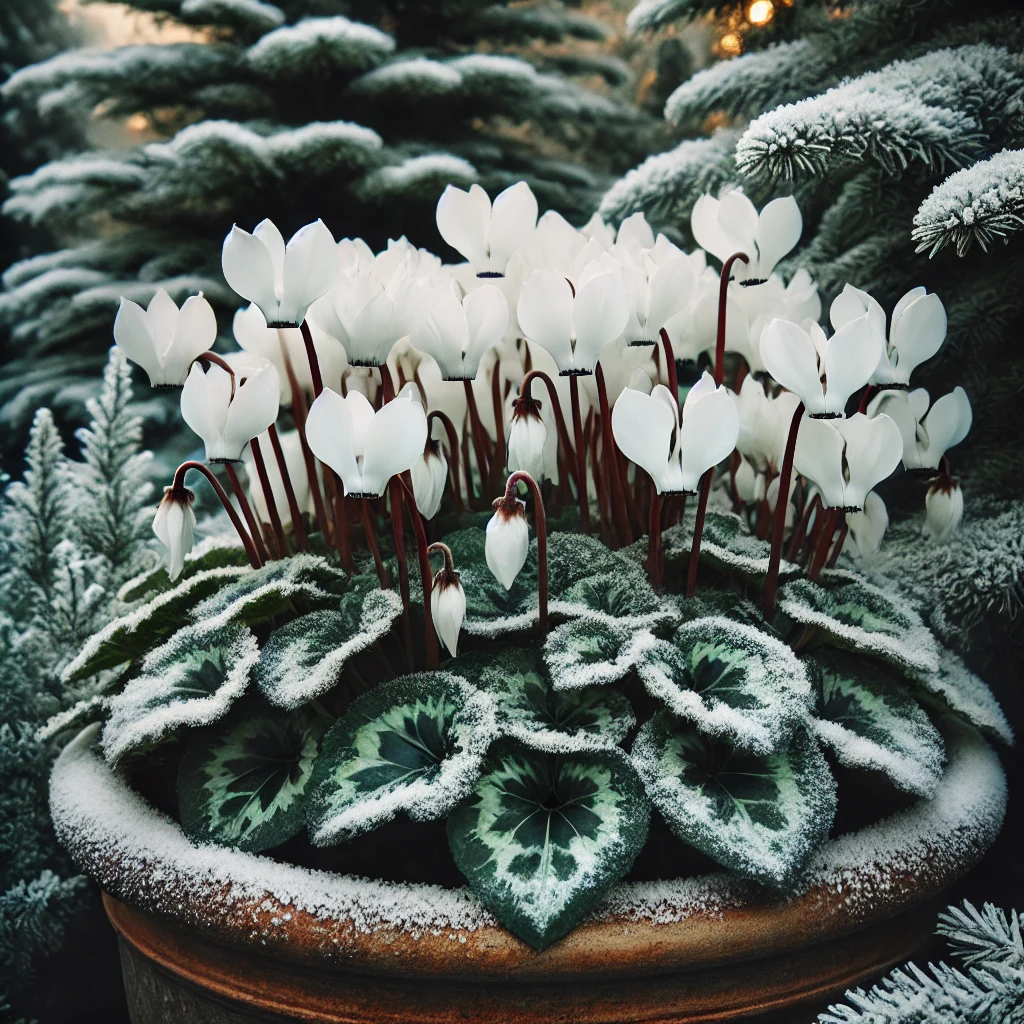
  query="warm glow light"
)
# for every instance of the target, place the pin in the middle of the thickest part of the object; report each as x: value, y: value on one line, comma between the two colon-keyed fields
x: 760, y: 12
x: 730, y: 43
x: 137, y: 123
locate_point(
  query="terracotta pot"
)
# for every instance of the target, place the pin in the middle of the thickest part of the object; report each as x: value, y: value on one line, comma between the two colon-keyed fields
x: 214, y: 935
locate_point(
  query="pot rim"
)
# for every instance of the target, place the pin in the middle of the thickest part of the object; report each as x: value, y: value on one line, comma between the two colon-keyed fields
x: 244, y: 900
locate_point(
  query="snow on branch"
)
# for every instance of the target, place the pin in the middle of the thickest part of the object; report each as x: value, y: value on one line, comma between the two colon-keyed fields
x: 651, y: 14
x: 416, y: 176
x: 983, y: 203
x: 246, y: 15
x: 521, y: 24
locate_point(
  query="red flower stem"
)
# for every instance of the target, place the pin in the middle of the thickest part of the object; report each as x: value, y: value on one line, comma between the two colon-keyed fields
x: 386, y: 383
x: 250, y: 519
x: 471, y: 495
x: 212, y: 357
x: 314, y: 363
x: 289, y: 490
x: 698, y: 531
x: 541, y: 524
x: 268, y: 497
x: 621, y: 514
x: 479, y: 442
x: 442, y: 549
x: 341, y: 533
x: 771, y: 582
x: 178, y: 483
x: 498, y: 466
x: 670, y: 365
x: 453, y: 455
x: 398, y: 532
x: 865, y: 396
x: 723, y: 294
x: 824, y: 543
x: 426, y: 577
x: 603, y: 506
x: 371, y: 540
x: 837, y: 548
x: 654, y: 543
x: 556, y: 408
x: 581, y: 454
x: 800, y: 533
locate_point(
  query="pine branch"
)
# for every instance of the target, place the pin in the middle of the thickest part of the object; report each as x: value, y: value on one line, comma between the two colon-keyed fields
x: 983, y: 937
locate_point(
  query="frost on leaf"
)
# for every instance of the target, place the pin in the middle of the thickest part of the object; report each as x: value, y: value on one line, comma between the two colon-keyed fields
x: 530, y: 709
x: 729, y: 546
x: 590, y: 651
x: 849, y: 612
x: 731, y: 680
x: 413, y: 744
x: 302, y: 659
x: 760, y: 816
x: 192, y: 680
x: 867, y: 718
x: 215, y: 553
x: 244, y: 785
x: 130, y: 637
x: 543, y: 837
x: 299, y: 582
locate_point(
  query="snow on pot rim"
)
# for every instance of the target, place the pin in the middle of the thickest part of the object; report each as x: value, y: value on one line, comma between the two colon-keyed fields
x: 142, y: 857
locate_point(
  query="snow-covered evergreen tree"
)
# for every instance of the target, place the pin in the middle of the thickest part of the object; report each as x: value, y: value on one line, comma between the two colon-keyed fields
x: 70, y: 532
x: 358, y: 112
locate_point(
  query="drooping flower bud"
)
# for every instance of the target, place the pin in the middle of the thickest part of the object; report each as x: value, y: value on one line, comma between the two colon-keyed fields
x: 527, y: 437
x: 174, y: 526
x: 508, y: 540
x: 944, y: 503
x: 867, y: 527
x: 429, y: 475
x: 448, y: 605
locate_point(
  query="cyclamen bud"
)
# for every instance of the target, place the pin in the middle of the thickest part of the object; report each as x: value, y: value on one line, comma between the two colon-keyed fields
x: 508, y: 540
x: 527, y: 437
x: 429, y: 475
x: 447, y: 601
x: 945, y: 508
x: 174, y: 526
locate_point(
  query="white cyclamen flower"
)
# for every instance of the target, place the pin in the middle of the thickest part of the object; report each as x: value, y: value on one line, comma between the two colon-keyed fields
x: 867, y: 527
x: 916, y: 333
x: 174, y: 526
x: 508, y: 540
x: 367, y: 448
x: 487, y: 235
x: 944, y: 505
x: 164, y: 340
x: 283, y: 280
x: 657, y: 292
x: 225, y: 423
x: 448, y: 607
x: 733, y: 225
x: 429, y: 476
x: 822, y: 371
x: 527, y: 438
x: 295, y: 464
x: 927, y: 433
x: 764, y: 424
x: 847, y: 458
x: 573, y: 328
x: 675, y: 446
x: 750, y: 485
x: 457, y: 331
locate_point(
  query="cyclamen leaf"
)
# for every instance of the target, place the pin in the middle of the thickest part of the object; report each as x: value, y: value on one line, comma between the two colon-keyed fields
x: 759, y: 815
x: 590, y: 651
x: 413, y: 744
x: 536, y: 714
x: 728, y: 544
x: 245, y: 785
x: 869, y: 720
x: 306, y: 581
x: 731, y: 680
x: 192, y: 680
x: 543, y: 836
x: 303, y: 658
x: 214, y: 553
x: 133, y: 635
x: 851, y: 613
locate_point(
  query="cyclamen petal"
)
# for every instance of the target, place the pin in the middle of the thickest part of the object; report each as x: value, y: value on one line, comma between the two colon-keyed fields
x: 448, y: 608
x: 174, y: 526
x: 507, y: 544
x: 249, y: 269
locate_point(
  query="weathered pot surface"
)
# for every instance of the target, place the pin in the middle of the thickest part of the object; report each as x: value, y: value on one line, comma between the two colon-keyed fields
x: 212, y: 934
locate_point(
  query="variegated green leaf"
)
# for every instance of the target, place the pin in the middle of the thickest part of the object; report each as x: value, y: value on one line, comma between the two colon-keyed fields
x: 544, y: 836
x: 212, y: 553
x: 587, y: 651
x: 302, y: 659
x: 411, y: 745
x: 299, y: 583
x: 130, y: 637
x: 731, y: 680
x: 728, y: 544
x: 245, y: 784
x: 759, y: 815
x: 192, y: 680
x: 532, y: 711
x: 851, y: 613
x: 870, y: 721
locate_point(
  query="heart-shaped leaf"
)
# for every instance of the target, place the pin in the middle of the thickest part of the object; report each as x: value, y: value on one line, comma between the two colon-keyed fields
x: 192, y: 680
x: 212, y: 553
x: 731, y: 680
x: 303, y: 658
x: 305, y: 582
x: 867, y: 717
x: 244, y: 785
x: 759, y: 815
x: 133, y: 635
x: 413, y: 744
x: 594, y: 650
x: 729, y: 545
x: 544, y: 836
x: 851, y: 613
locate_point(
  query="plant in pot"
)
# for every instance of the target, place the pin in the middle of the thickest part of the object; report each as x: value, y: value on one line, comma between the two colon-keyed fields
x: 528, y: 670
